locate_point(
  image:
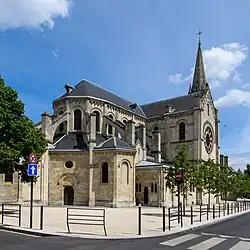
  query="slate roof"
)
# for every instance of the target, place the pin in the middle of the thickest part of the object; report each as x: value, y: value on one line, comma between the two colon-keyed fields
x: 178, y: 104
x: 88, y: 89
x: 79, y: 141
x: 76, y: 141
x: 114, y: 143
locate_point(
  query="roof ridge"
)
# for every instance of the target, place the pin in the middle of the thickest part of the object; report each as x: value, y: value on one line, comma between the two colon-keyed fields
x: 192, y: 94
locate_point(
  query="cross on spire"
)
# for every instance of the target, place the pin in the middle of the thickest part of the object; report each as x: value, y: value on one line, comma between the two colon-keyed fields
x: 199, y: 35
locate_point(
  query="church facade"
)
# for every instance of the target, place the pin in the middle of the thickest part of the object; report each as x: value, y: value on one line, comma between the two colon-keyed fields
x: 106, y: 151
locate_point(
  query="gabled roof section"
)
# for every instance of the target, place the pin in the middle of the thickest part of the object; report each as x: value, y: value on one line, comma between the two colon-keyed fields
x: 87, y: 89
x: 177, y: 104
x: 115, y: 143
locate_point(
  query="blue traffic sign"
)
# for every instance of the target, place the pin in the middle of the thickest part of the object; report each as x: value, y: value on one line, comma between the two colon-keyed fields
x: 32, y: 170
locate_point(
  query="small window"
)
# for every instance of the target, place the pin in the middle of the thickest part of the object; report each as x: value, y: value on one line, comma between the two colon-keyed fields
x: 77, y: 119
x: 136, y: 187
x: 105, y: 172
x: 156, y: 129
x: 124, y: 121
x: 110, y: 130
x: 155, y: 187
x: 182, y: 132
x: 152, y: 187
x: 69, y: 164
x: 61, y: 127
x: 8, y: 177
x: 98, y: 121
x: 139, y: 187
x: 208, y: 110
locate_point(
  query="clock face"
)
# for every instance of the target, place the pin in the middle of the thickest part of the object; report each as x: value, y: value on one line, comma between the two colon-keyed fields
x: 208, y: 136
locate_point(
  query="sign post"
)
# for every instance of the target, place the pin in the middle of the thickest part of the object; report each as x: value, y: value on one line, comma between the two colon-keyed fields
x: 32, y: 171
x: 178, y: 179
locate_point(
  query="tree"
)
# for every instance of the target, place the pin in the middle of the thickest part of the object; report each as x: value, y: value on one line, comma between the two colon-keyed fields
x: 247, y: 170
x: 18, y: 135
x: 210, y: 172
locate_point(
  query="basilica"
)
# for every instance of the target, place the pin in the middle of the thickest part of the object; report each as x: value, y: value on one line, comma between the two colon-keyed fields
x: 104, y: 150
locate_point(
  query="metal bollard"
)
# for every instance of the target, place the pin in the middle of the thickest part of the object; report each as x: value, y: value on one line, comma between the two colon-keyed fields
x: 200, y: 213
x: 227, y: 208
x: 41, y: 218
x: 139, y: 219
x: 208, y: 211
x: 169, y: 218
x: 164, y: 218
x: 219, y: 209
x: 2, y: 212
x: 213, y: 211
x: 181, y: 217
x: 19, y: 214
x: 191, y: 215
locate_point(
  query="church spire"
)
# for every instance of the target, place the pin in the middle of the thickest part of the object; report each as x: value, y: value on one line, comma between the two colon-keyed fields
x: 199, y: 78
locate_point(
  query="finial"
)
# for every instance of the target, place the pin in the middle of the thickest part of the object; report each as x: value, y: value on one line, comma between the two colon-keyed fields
x: 199, y: 36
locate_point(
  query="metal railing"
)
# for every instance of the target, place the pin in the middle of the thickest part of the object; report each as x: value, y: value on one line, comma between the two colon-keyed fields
x: 11, y: 210
x: 86, y: 216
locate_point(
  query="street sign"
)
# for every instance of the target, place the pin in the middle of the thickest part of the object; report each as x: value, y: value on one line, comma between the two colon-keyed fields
x: 178, y: 176
x: 32, y: 158
x: 32, y: 170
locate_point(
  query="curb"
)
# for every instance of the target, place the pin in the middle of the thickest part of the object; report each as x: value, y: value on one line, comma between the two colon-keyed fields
x: 35, y: 232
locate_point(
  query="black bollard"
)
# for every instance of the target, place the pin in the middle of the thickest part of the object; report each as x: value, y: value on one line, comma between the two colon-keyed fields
x: 139, y: 219
x: 164, y: 218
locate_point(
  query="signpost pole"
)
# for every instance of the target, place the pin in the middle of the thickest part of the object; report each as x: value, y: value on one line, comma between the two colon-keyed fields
x: 32, y: 171
x: 31, y: 201
x: 178, y: 192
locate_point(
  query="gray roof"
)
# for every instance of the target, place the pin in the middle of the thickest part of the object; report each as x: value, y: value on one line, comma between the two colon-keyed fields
x: 88, y: 89
x: 76, y: 141
x: 79, y: 141
x: 180, y: 103
x: 114, y: 143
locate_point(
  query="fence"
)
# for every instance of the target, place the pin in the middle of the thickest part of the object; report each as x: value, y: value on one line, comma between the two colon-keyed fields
x: 91, y: 217
x: 215, y: 210
x: 11, y: 210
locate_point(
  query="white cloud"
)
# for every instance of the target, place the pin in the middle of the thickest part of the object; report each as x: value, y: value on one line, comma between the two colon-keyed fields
x: 238, y: 161
x: 221, y: 64
x: 234, y: 97
x: 32, y: 13
x: 55, y: 53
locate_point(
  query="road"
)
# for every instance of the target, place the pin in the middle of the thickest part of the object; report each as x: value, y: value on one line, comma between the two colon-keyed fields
x: 232, y: 234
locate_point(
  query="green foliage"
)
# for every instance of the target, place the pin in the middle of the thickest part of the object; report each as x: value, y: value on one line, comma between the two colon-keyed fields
x: 18, y: 136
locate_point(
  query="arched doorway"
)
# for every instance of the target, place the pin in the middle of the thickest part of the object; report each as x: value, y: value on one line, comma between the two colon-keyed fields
x: 68, y: 195
x: 146, y: 196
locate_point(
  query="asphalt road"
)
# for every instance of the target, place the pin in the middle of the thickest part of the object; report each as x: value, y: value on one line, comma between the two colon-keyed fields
x: 232, y: 234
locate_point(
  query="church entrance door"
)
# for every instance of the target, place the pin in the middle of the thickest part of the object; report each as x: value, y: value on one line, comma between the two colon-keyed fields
x: 146, y: 196
x: 68, y: 195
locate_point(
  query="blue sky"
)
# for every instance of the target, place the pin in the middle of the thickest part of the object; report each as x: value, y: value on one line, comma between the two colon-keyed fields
x: 142, y: 50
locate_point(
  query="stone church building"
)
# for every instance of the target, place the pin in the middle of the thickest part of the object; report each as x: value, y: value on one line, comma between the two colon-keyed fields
x: 106, y: 151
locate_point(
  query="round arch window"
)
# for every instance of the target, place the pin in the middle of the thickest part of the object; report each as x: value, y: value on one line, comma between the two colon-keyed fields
x: 69, y: 164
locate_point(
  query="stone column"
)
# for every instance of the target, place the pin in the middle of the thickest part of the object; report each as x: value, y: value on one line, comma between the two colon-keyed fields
x: 92, y: 144
x: 46, y: 123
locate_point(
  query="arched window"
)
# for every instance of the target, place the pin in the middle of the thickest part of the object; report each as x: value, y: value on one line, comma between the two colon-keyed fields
x: 98, y: 117
x: 105, y: 172
x: 77, y: 119
x: 110, y: 128
x: 124, y: 173
x: 156, y: 129
x: 182, y: 132
x: 208, y: 110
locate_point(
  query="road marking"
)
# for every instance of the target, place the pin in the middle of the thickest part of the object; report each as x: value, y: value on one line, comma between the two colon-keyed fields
x: 207, y: 244
x: 26, y: 234
x: 242, y: 245
x: 179, y: 240
x: 244, y: 239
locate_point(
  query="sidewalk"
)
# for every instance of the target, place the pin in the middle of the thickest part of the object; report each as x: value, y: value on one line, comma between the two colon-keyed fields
x: 120, y: 222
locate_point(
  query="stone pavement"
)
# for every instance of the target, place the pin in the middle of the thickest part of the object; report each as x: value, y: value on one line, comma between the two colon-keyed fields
x: 120, y: 222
